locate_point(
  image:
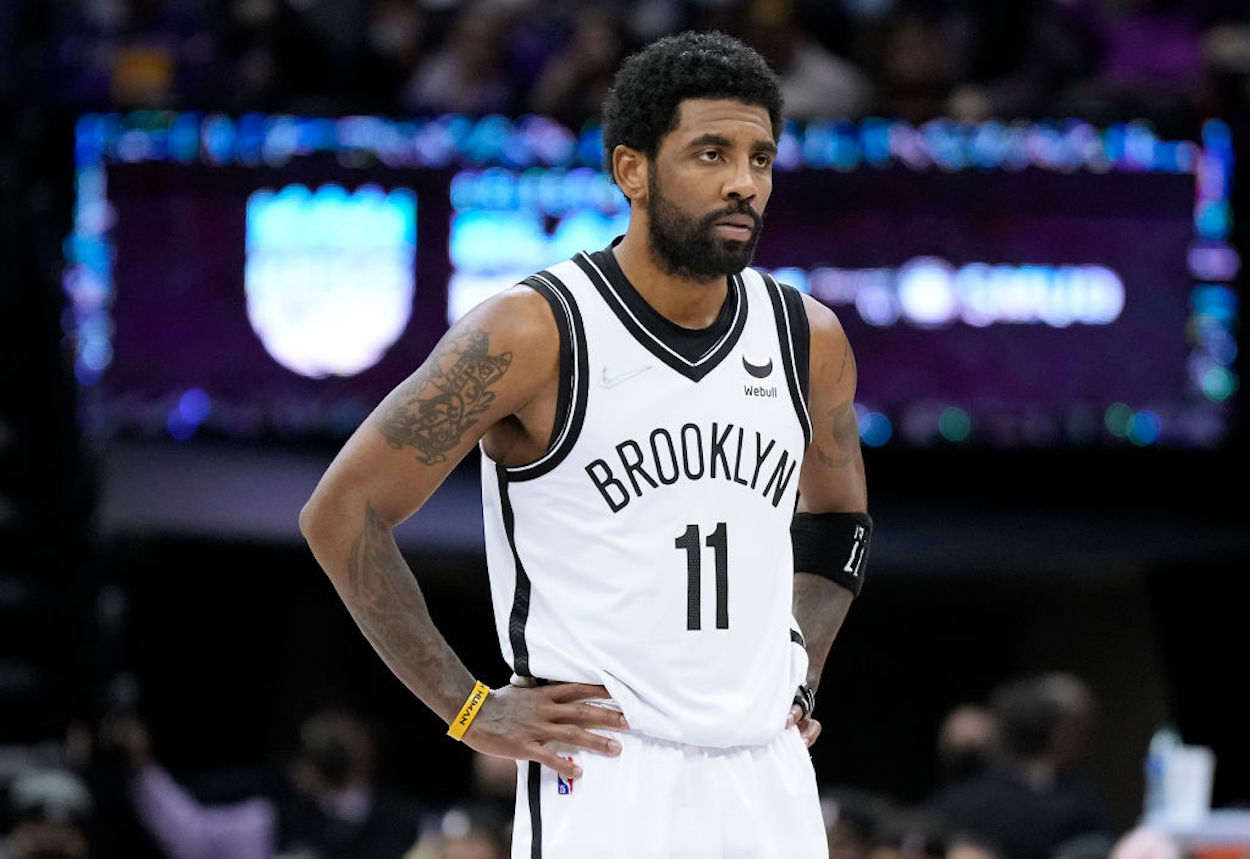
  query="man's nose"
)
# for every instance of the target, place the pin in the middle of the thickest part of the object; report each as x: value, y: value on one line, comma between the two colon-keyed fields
x: 741, y: 183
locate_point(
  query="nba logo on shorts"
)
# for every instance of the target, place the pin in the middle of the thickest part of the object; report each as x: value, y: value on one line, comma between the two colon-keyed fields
x: 564, y: 787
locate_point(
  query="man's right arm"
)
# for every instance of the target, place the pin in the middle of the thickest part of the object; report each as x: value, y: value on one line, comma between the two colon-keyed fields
x: 831, y: 480
x: 489, y: 368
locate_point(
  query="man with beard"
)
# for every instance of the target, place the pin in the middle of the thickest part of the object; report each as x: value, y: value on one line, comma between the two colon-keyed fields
x: 675, y: 504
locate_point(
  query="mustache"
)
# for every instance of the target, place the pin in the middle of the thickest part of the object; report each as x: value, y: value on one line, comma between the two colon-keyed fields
x: 743, y: 208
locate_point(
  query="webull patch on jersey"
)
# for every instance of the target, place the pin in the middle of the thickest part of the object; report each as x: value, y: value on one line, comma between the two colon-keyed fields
x: 721, y: 452
x: 759, y: 371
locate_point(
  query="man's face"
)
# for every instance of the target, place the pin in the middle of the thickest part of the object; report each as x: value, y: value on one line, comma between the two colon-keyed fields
x: 707, y: 187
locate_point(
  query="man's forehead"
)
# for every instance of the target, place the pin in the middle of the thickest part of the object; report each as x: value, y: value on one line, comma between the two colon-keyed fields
x: 696, y: 116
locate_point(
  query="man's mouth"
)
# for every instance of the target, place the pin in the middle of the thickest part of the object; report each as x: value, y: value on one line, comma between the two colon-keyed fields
x: 740, y: 227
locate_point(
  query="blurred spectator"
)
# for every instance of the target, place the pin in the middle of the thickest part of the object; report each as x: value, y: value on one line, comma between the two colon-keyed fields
x: 459, y: 836
x: 467, y: 73
x: 1033, y: 797
x: 1151, y: 44
x: 331, y: 807
x: 539, y: 30
x: 1169, y: 61
x: 968, y: 742
x: 276, y: 60
x: 839, y: 26
x: 492, y: 794
x: 1075, y: 719
x: 912, y: 74
x: 726, y: 16
x: 854, y: 820
x: 650, y: 19
x: 1144, y: 843
x: 1226, y: 54
x: 49, y: 812
x: 1017, y: 56
x: 574, y: 84
x: 1097, y: 845
x: 392, y: 42
x: 1148, y: 62
x: 910, y: 833
x: 815, y: 83
x: 964, y: 846
x: 134, y: 54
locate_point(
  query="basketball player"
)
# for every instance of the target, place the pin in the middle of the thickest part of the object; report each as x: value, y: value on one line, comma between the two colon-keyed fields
x: 667, y: 436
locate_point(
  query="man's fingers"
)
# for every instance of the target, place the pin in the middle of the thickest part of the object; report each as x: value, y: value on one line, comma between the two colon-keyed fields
x: 809, y: 730
x: 796, y: 713
x: 572, y: 735
x: 564, y: 692
x: 572, y: 708
x: 550, y: 759
x: 592, y: 716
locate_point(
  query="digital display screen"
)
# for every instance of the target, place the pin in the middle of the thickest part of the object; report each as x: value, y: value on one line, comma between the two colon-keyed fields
x: 1020, y: 307
x: 1010, y: 286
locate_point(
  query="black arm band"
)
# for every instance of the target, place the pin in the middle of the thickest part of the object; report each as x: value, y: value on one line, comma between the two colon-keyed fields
x: 806, y: 699
x: 832, y: 545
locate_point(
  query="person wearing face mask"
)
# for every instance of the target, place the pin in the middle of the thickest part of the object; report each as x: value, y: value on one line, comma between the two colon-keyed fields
x: 50, y: 814
x: 331, y: 807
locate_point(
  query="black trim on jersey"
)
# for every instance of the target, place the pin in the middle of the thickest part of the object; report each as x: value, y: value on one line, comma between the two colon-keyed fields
x: 608, y: 278
x: 796, y: 637
x: 574, y: 376
x: 801, y: 331
x: 690, y: 343
x: 521, y: 594
x: 795, y: 335
x: 563, y: 326
x: 533, y: 783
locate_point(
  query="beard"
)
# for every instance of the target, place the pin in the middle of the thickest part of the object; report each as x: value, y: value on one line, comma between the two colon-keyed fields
x: 685, y: 246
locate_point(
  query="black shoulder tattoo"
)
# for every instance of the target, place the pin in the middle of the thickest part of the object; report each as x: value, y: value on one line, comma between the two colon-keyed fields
x: 445, y: 396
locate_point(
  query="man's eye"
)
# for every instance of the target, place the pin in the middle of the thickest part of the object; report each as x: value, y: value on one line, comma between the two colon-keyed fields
x: 763, y: 160
x: 709, y: 155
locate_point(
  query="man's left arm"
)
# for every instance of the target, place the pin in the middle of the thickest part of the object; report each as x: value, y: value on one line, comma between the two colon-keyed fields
x: 831, y: 525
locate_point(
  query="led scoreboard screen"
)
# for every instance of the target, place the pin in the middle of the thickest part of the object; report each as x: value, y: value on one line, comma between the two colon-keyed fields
x: 1014, y: 286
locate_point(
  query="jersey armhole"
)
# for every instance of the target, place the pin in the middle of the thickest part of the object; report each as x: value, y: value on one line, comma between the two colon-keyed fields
x: 801, y: 337
x: 571, y: 393
x: 565, y: 393
x: 795, y: 336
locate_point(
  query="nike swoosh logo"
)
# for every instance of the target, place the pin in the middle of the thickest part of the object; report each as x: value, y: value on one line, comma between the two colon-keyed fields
x: 758, y: 371
x: 607, y: 381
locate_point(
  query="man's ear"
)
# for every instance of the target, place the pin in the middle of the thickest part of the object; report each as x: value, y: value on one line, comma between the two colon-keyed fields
x: 629, y: 168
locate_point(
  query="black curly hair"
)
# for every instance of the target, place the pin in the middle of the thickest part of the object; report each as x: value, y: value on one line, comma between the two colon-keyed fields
x: 642, y: 106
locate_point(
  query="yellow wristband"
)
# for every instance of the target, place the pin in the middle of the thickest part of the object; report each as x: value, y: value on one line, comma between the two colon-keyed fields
x: 464, y: 718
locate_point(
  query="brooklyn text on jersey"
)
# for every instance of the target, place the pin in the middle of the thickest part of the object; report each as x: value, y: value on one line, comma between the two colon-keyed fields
x: 719, y: 452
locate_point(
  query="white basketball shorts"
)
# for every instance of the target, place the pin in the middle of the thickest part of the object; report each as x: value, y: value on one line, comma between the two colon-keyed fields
x: 665, y: 800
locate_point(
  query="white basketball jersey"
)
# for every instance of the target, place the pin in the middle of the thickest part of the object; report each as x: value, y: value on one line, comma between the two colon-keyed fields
x: 649, y: 549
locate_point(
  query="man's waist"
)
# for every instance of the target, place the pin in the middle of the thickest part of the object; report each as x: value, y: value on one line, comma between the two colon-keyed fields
x: 706, y: 724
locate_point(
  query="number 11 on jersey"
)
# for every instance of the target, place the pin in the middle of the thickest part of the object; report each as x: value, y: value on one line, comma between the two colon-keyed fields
x: 718, y: 541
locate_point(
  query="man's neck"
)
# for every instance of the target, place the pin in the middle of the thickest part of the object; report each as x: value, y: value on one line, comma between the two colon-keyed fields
x: 683, y: 301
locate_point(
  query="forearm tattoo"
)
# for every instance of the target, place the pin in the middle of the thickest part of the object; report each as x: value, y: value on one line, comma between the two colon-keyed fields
x: 389, y: 608
x: 445, y: 397
x: 845, y: 425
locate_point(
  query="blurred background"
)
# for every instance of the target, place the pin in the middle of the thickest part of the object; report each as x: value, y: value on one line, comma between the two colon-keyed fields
x: 230, y: 226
